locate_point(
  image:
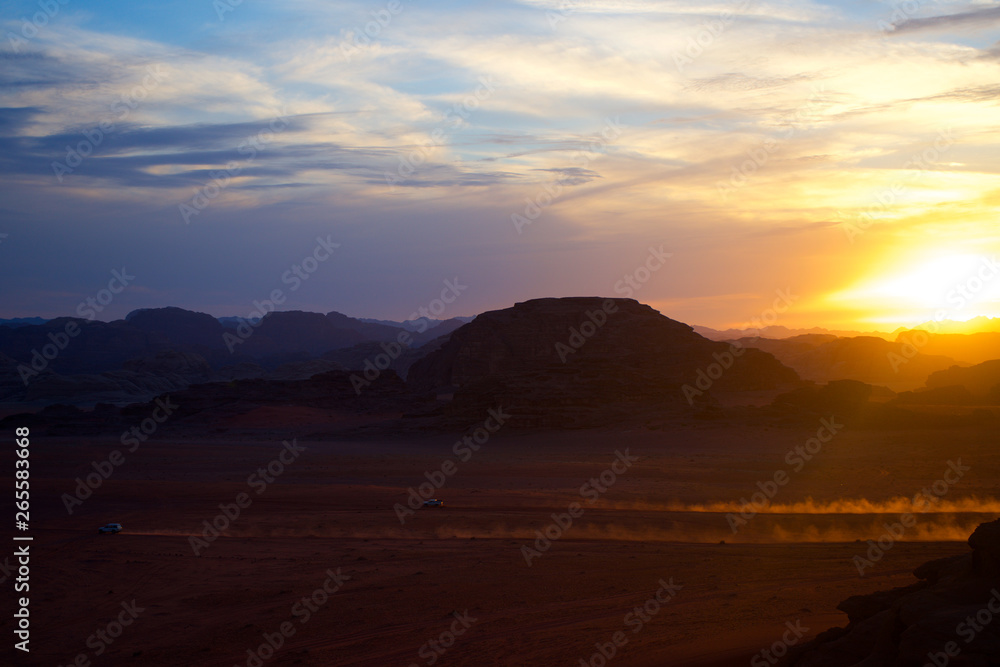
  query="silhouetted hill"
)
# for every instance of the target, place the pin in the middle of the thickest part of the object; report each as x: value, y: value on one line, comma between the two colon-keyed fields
x: 15, y: 322
x: 367, y: 330
x: 293, y: 333
x: 219, y: 408
x: 779, y: 332
x: 181, y: 327
x: 981, y: 323
x: 843, y: 398
x: 864, y: 358
x: 973, y: 348
x: 420, y: 324
x: 582, y: 360
x: 444, y: 328
x: 95, y: 346
x: 981, y: 380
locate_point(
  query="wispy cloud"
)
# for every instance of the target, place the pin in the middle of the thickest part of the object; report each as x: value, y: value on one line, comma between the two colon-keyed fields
x: 976, y: 18
x: 745, y: 105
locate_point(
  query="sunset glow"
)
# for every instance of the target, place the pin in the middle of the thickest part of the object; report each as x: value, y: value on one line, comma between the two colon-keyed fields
x: 846, y: 151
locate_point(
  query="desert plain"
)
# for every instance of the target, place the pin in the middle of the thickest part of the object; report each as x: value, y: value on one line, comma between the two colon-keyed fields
x: 471, y: 583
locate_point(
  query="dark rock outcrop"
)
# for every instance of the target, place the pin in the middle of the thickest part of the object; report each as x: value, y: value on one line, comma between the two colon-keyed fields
x: 951, y: 616
x: 843, y: 398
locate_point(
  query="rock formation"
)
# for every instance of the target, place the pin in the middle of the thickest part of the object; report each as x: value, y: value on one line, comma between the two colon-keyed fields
x: 584, y: 360
x: 950, y: 617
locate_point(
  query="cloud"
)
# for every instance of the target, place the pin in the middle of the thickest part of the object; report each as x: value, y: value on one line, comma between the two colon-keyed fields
x: 370, y: 150
x: 977, y: 18
x: 572, y: 175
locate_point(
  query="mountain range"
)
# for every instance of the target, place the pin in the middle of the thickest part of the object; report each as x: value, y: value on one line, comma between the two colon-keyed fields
x: 558, y: 361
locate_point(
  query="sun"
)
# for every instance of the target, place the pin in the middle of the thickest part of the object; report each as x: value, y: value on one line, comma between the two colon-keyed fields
x: 956, y: 287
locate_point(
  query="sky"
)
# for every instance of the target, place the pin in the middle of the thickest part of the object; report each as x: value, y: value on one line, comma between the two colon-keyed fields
x: 809, y: 163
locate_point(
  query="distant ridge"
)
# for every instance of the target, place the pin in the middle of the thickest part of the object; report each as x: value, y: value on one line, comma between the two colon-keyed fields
x: 975, y: 325
x: 778, y: 332
x: 415, y: 325
x: 22, y: 322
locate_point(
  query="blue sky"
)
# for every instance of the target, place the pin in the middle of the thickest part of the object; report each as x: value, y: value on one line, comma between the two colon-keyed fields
x: 534, y: 148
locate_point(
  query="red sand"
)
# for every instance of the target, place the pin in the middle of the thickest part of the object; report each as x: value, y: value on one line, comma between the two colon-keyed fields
x: 332, y: 509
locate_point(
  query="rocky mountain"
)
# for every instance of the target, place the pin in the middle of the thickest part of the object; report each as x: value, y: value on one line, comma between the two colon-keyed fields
x: 980, y: 381
x: 843, y: 398
x: 779, y: 332
x: 950, y: 616
x: 581, y: 360
x: 22, y: 321
x: 293, y: 335
x: 981, y: 323
x: 72, y: 345
x: 256, y: 405
x: 156, y: 350
x: 973, y: 348
x: 181, y: 327
x: 822, y: 358
x: 367, y: 330
x: 421, y: 324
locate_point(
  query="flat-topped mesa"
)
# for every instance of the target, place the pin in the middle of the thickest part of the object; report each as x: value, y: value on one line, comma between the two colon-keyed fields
x: 587, y: 351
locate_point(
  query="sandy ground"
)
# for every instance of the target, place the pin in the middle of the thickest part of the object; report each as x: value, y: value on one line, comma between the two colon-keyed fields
x: 331, y: 509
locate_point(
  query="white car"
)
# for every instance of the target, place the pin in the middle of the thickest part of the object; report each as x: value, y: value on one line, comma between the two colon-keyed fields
x: 433, y: 502
x: 110, y: 528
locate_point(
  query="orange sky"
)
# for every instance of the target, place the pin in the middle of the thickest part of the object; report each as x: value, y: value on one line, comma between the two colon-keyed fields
x: 846, y: 152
